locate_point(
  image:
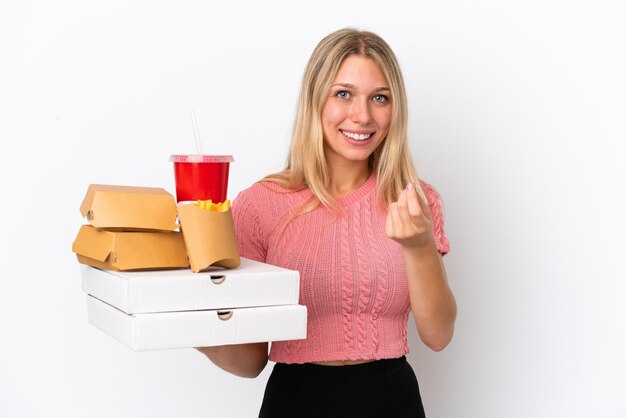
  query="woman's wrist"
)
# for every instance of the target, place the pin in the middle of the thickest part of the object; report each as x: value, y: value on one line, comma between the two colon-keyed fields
x: 421, y: 250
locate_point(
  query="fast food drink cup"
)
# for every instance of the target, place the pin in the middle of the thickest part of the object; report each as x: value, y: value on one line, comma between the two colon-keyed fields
x: 201, y: 177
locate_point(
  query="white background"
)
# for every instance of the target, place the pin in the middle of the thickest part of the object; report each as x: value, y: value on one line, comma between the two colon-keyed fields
x: 517, y: 117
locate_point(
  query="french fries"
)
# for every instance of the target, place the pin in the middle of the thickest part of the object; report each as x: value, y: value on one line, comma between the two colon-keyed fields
x: 216, y: 207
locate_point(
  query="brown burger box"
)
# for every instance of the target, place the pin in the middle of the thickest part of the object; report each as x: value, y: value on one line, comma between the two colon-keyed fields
x: 129, y: 208
x: 126, y: 251
x: 130, y: 228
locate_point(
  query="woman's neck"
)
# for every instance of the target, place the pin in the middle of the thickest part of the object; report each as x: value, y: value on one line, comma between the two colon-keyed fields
x: 346, y: 179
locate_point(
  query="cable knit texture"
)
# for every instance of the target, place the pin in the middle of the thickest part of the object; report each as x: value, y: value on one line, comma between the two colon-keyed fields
x: 352, y: 277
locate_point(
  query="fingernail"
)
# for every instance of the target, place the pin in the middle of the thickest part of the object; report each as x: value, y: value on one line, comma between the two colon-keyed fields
x: 409, y: 186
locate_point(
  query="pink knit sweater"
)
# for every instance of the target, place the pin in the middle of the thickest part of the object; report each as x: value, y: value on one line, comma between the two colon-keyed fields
x: 352, y: 277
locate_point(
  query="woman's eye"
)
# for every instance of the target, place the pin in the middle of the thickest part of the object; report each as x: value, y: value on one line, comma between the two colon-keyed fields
x: 342, y: 94
x: 380, y: 98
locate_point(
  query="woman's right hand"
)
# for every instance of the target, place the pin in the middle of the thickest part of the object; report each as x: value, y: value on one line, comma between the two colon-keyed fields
x: 243, y: 360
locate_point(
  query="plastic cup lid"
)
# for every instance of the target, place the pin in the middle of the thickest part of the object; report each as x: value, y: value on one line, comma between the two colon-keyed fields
x: 197, y: 158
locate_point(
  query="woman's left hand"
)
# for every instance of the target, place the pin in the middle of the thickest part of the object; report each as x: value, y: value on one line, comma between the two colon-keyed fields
x: 409, y: 221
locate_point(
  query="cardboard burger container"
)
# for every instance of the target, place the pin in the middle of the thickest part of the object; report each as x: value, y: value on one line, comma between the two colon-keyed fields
x: 122, y: 250
x: 129, y: 208
x: 130, y: 228
x: 179, y: 309
x: 209, y: 237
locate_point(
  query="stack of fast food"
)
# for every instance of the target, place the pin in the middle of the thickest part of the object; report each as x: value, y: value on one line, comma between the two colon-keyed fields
x: 222, y: 299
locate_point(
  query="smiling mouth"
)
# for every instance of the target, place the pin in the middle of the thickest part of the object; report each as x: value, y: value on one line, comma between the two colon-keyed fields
x: 357, y: 137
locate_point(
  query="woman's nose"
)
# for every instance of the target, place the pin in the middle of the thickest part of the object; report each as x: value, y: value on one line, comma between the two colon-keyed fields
x: 360, y: 112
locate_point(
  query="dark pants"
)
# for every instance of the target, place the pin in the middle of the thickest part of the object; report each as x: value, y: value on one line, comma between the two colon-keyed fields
x: 383, y: 388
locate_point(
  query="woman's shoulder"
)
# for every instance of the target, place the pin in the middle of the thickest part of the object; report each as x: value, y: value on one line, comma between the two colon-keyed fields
x: 268, y: 196
x: 263, y: 189
x: 431, y: 192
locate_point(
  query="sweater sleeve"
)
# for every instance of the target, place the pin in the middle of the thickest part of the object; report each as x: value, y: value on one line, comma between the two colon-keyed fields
x: 434, y: 204
x: 250, y: 236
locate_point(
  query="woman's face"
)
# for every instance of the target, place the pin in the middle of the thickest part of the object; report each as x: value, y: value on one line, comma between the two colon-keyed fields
x: 357, y: 112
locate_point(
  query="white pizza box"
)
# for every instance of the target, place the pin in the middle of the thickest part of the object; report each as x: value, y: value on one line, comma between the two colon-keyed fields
x: 204, y: 328
x: 251, y: 284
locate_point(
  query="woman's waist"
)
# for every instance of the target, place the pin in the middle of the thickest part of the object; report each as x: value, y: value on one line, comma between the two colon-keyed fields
x: 324, y: 356
x: 370, y: 369
x: 341, y: 362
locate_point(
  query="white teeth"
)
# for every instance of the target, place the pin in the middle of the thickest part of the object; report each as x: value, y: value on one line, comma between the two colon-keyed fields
x: 357, y: 137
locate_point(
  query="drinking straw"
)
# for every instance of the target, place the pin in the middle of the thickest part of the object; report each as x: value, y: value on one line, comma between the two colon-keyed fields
x: 192, y: 111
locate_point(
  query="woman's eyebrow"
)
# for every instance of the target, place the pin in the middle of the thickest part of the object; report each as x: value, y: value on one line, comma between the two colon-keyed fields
x: 352, y: 86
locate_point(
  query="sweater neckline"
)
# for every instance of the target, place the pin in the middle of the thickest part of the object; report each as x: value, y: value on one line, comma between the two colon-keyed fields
x: 359, y: 193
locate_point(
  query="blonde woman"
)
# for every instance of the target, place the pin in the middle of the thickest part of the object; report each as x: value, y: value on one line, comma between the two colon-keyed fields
x: 349, y: 213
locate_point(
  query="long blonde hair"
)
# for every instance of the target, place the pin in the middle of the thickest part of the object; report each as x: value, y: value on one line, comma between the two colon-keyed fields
x: 306, y: 164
